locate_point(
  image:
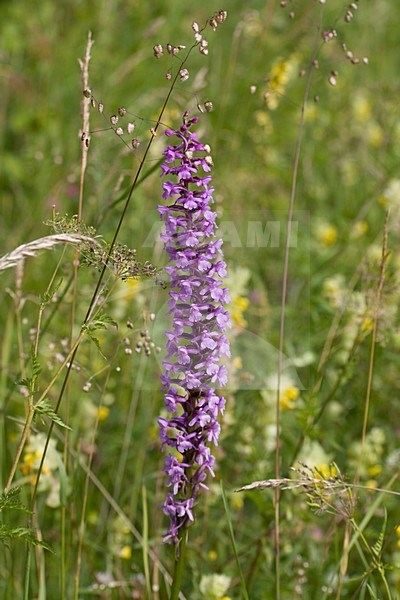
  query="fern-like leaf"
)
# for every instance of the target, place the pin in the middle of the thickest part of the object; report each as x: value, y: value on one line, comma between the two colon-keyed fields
x: 44, y: 408
x: 378, y: 546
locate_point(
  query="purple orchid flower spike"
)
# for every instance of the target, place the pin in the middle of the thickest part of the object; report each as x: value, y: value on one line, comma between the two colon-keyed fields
x: 197, y: 342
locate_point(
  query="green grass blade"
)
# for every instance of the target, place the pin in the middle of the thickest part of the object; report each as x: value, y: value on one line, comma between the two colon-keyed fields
x: 232, y: 536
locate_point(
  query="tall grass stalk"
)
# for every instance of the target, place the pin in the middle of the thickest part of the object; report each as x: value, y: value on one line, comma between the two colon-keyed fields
x: 376, y: 308
x: 285, y: 274
x: 84, y: 66
x: 233, y: 542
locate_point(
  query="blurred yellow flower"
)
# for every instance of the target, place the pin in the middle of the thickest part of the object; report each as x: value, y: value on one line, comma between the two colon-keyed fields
x: 281, y: 73
x: 125, y: 552
x: 374, y: 470
x: 375, y: 135
x: 237, y: 363
x: 362, y: 108
x: 360, y: 228
x: 287, y: 397
x: 367, y: 324
x: 131, y: 288
x: 325, y: 471
x: 238, y: 306
x: 371, y: 483
x: 103, y: 413
x: 212, y: 555
x: 326, y: 234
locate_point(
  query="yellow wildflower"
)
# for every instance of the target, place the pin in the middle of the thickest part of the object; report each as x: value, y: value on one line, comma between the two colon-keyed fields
x: 238, y: 306
x: 367, y: 324
x: 103, y: 413
x: 327, y: 234
x: 374, y: 470
x: 237, y: 363
x: 125, y: 552
x: 287, y: 397
x: 360, y: 228
x: 212, y: 555
x: 280, y: 74
x: 371, y: 483
x: 362, y: 108
x: 375, y: 135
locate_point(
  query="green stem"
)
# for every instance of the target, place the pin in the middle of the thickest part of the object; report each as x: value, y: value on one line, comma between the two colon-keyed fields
x: 179, y: 568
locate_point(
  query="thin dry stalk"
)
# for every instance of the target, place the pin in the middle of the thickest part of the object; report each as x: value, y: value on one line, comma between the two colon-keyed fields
x: 85, y: 141
x: 296, y: 163
x: 377, y: 303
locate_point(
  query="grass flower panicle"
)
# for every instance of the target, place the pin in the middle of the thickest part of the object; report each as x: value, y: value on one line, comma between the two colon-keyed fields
x: 197, y: 341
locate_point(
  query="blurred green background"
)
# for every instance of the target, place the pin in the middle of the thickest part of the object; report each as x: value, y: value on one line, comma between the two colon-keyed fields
x: 348, y: 177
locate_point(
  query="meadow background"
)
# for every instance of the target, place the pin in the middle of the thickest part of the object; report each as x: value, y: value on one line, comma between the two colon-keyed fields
x: 341, y: 306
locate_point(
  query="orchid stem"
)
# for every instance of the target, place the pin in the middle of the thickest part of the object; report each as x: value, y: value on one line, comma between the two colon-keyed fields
x: 179, y: 568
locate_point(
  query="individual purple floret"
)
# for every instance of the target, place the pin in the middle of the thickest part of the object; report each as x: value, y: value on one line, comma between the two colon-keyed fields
x: 197, y: 341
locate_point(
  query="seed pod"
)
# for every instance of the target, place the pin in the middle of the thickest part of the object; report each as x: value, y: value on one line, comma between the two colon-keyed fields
x: 184, y: 74
x: 122, y: 111
x: 87, y: 93
x: 158, y: 51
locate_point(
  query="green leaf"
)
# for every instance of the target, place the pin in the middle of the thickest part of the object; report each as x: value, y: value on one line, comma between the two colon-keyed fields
x: 233, y: 542
x: 47, y: 296
x: 25, y: 382
x: 10, y: 499
x: 44, y: 408
x: 21, y: 533
x: 371, y: 592
x: 95, y: 341
x: 35, y: 364
x: 102, y: 321
x: 377, y: 547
